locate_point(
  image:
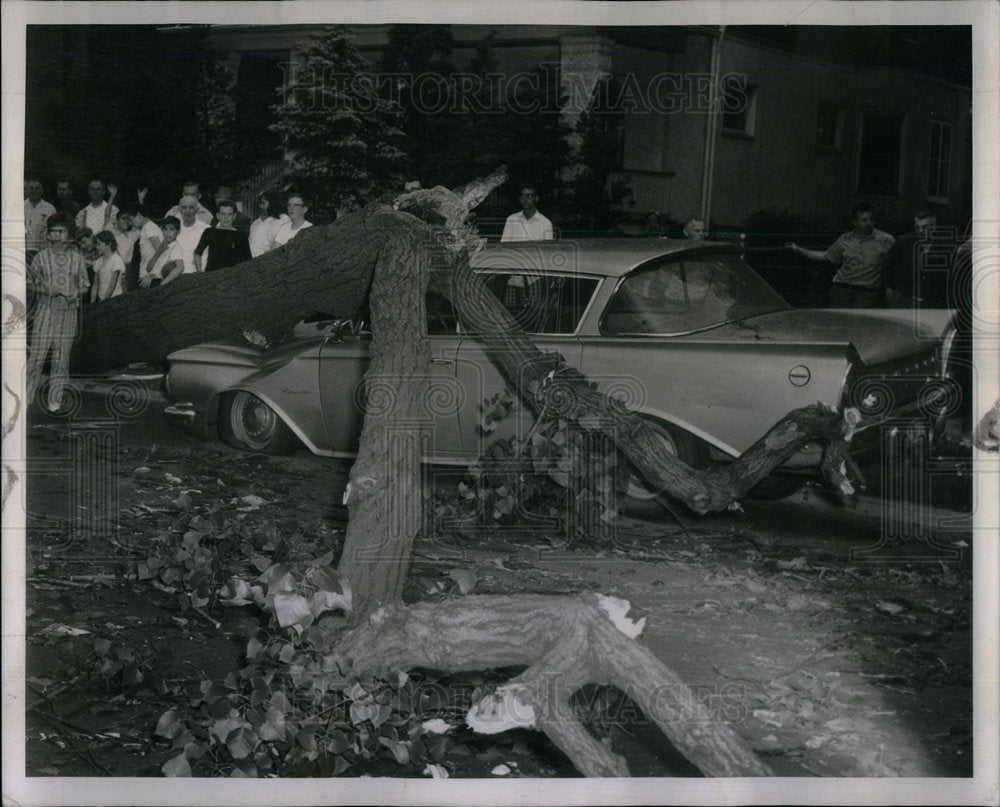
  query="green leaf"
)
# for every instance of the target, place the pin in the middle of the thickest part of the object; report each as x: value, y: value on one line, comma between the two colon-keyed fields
x: 292, y: 609
x: 323, y: 560
x: 323, y: 601
x: 225, y: 726
x: 360, y: 712
x: 240, y: 743
x: 274, y: 727
x: 437, y: 746
x: 337, y: 741
x: 168, y: 725
x: 400, y: 750
x: 326, y: 580
x: 559, y: 476
x: 506, y: 505
x: 307, y: 738
x: 254, y: 648
x: 380, y: 713
x: 194, y: 750
x: 278, y: 578
x: 178, y: 766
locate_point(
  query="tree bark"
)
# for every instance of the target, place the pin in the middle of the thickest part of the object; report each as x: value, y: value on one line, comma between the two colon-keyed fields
x: 565, y: 642
x: 384, y: 495
x: 324, y: 269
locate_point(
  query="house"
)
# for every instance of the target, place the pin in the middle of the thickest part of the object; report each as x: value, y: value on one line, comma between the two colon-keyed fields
x: 810, y: 119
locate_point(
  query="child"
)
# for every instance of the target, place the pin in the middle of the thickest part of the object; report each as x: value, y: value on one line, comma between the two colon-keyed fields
x: 125, y: 236
x: 58, y: 277
x: 149, y: 238
x: 167, y: 261
x: 109, y: 269
x: 85, y: 241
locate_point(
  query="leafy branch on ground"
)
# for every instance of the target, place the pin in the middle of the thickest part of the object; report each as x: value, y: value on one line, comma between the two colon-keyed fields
x: 291, y: 710
x: 555, y: 473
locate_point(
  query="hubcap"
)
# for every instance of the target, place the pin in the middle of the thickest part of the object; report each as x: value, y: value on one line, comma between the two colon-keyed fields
x: 253, y: 421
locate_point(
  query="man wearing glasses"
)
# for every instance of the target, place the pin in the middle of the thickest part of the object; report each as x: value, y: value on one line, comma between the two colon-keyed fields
x: 297, y: 210
x: 528, y: 224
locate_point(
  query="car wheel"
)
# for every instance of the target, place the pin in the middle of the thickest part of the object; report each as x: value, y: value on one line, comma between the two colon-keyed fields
x: 246, y: 422
x: 638, y: 500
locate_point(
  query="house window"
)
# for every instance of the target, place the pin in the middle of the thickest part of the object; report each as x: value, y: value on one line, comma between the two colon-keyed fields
x: 830, y: 128
x: 881, y: 145
x: 939, y: 168
x: 739, y: 106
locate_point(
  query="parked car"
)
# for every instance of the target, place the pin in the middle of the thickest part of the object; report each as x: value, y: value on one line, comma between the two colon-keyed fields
x: 684, y: 333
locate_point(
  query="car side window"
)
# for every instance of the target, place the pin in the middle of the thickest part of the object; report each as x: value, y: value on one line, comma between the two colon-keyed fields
x: 542, y: 304
x: 675, y: 297
x: 441, y: 316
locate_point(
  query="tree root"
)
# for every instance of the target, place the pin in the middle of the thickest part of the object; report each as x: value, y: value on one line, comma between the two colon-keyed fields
x: 566, y: 642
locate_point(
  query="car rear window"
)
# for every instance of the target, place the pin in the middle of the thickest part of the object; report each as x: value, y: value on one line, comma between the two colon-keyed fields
x: 687, y: 294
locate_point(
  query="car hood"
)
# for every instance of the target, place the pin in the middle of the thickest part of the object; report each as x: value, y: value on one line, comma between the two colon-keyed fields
x: 237, y: 352
x: 877, y: 336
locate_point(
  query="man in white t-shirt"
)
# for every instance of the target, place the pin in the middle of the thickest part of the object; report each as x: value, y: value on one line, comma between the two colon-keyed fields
x: 192, y: 189
x: 100, y: 214
x: 287, y: 230
x: 190, y: 232
x: 528, y: 224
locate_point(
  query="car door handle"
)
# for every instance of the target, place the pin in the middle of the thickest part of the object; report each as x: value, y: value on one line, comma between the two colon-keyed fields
x: 442, y: 361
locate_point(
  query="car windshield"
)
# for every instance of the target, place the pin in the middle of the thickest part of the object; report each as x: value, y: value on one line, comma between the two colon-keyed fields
x: 688, y: 293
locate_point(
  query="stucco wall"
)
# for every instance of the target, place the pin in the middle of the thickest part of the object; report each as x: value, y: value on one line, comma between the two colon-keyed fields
x: 781, y: 167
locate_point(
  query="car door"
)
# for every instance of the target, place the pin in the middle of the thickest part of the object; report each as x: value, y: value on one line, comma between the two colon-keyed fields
x: 549, y: 307
x: 345, y: 393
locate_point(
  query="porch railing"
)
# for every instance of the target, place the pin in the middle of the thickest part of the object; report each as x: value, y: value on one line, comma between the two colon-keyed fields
x: 647, y: 190
x: 266, y: 175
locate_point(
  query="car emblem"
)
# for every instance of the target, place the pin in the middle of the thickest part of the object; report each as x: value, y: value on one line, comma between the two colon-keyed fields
x: 799, y: 375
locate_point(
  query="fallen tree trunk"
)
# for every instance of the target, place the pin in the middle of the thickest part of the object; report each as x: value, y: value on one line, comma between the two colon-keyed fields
x: 324, y: 270
x: 565, y: 642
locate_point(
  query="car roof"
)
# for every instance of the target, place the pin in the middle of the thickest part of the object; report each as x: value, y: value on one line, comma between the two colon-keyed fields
x: 611, y: 257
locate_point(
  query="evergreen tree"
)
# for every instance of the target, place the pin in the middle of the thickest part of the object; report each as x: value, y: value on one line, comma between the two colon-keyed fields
x: 419, y: 77
x: 462, y: 122
x: 342, y: 139
x: 517, y: 123
x: 590, y: 193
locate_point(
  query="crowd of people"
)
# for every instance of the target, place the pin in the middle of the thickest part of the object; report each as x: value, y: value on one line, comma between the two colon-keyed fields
x: 80, y: 254
x: 154, y: 250
x: 86, y: 254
